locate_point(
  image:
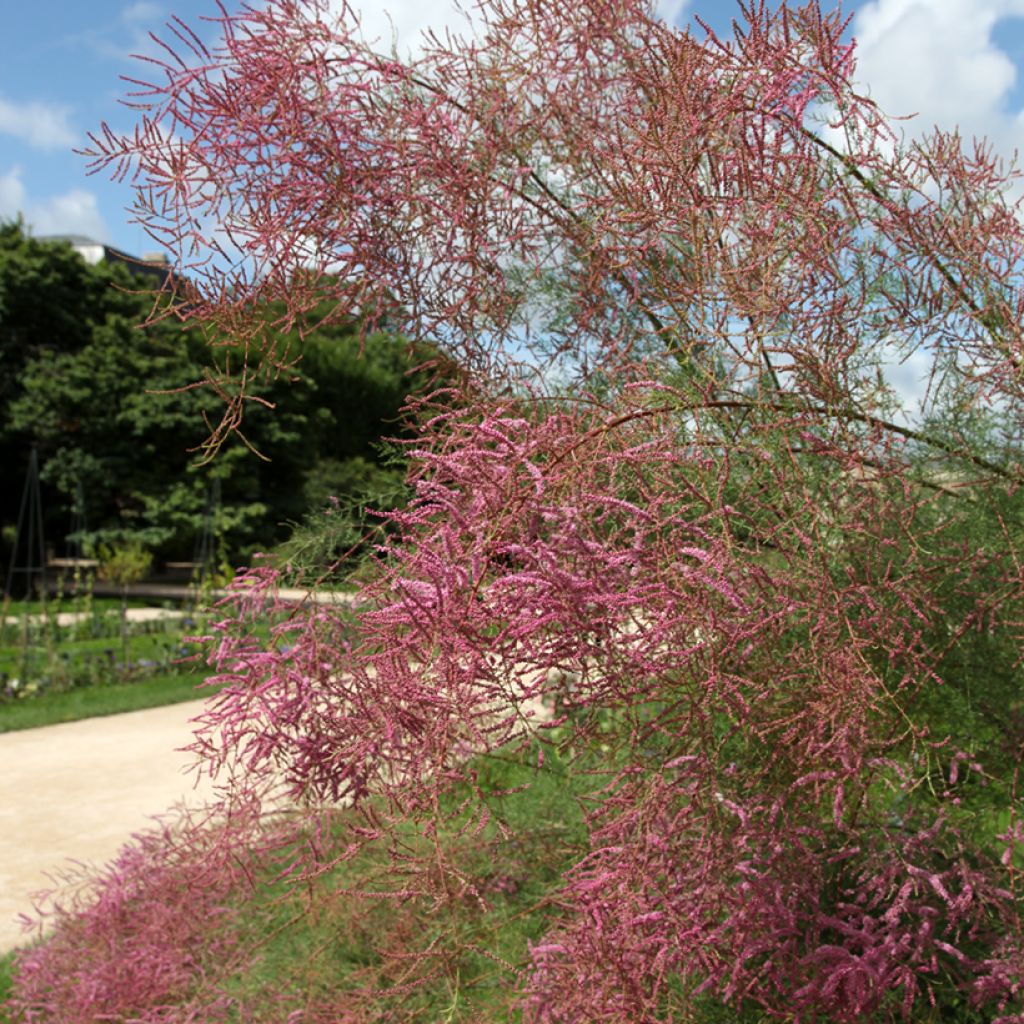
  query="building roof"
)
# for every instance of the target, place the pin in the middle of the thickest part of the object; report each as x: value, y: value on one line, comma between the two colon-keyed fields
x: 72, y: 240
x: 151, y: 265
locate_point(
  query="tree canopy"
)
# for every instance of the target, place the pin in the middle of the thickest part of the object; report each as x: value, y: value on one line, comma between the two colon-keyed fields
x: 675, y: 533
x: 118, y: 423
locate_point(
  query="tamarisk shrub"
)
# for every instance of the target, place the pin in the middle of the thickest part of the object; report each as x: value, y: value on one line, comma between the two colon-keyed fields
x: 675, y: 523
x: 143, y: 939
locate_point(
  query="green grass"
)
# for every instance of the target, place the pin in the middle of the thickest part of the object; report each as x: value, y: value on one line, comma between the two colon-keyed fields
x: 140, y: 647
x: 138, y: 639
x: 68, y: 673
x: 324, y: 942
x: 72, y: 604
x: 66, y: 678
x: 94, y: 701
x: 6, y: 977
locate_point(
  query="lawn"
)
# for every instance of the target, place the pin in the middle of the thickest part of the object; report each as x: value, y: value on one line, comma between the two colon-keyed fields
x: 52, y: 673
x: 93, y: 701
x: 67, y: 603
x: 6, y: 977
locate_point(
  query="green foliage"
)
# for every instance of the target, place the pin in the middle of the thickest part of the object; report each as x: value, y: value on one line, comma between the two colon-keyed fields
x: 123, y: 564
x: 50, y: 298
x: 6, y: 978
x: 337, y: 532
x: 42, y: 654
x: 118, y: 421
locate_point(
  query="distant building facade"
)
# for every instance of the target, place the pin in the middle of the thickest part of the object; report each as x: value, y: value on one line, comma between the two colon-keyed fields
x: 154, y: 265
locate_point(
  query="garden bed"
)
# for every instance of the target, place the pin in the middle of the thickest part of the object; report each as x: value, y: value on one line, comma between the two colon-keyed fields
x: 82, y: 657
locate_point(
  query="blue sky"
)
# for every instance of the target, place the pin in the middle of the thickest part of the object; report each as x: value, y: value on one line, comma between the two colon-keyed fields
x: 957, y: 62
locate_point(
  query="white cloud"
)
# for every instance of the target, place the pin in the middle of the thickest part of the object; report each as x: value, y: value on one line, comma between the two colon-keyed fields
x: 671, y: 10
x: 404, y: 21
x: 908, y: 375
x: 12, y: 194
x: 42, y: 125
x: 938, y: 59
x: 128, y: 34
x: 143, y: 11
x: 73, y: 212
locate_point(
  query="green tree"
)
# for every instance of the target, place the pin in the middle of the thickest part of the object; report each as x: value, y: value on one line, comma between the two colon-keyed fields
x: 50, y: 298
x: 113, y: 410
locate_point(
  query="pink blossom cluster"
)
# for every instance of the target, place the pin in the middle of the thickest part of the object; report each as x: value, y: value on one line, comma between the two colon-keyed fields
x: 746, y: 844
x: 671, y: 517
x: 150, y: 938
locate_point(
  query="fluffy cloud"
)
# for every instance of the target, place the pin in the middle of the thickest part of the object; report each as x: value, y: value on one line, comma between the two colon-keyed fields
x: 39, y: 124
x: 73, y: 212
x: 143, y: 11
x: 938, y: 59
x: 403, y: 22
x: 672, y: 11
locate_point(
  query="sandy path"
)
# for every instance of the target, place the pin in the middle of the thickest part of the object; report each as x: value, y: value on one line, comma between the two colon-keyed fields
x: 79, y: 790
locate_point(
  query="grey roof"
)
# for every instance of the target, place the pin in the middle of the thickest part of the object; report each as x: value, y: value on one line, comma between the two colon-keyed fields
x: 145, y: 266
x: 70, y: 239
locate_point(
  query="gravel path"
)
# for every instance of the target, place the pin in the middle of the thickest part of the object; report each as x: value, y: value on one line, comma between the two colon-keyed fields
x: 79, y: 790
